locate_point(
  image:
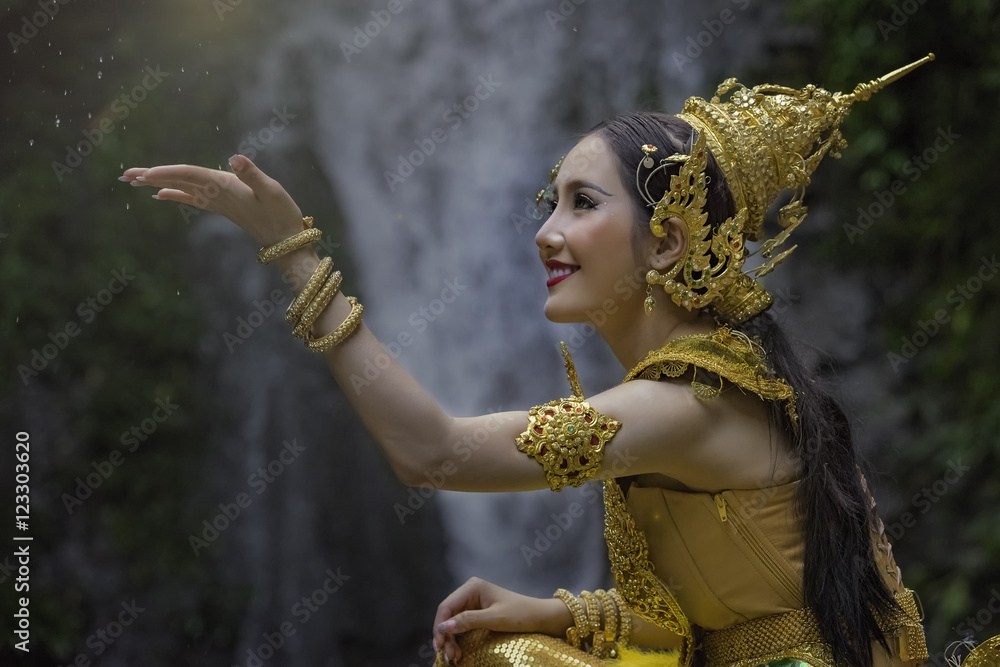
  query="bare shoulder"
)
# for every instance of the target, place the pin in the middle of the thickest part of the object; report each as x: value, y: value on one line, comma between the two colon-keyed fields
x: 724, y: 443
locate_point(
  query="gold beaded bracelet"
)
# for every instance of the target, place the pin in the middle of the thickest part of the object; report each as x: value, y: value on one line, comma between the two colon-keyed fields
x: 340, y: 334
x: 625, y: 618
x: 308, y: 293
x: 281, y: 248
x: 593, y: 615
x: 573, y: 633
x: 317, y: 305
x: 604, y: 642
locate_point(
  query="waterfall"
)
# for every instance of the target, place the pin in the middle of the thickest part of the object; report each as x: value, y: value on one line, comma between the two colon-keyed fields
x: 433, y: 125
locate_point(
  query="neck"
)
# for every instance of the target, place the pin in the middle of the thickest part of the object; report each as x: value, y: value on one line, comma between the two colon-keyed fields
x: 630, y: 333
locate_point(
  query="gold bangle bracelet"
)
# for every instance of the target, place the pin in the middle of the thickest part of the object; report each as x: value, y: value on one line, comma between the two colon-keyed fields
x: 340, y: 334
x: 625, y: 618
x: 281, y: 248
x: 604, y: 642
x: 308, y: 293
x: 579, y: 616
x: 593, y: 616
x: 318, y: 305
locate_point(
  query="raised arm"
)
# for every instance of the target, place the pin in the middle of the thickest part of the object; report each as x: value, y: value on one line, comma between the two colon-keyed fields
x: 663, y: 426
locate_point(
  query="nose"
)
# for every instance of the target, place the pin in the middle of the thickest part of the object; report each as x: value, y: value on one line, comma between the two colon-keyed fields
x: 549, y: 237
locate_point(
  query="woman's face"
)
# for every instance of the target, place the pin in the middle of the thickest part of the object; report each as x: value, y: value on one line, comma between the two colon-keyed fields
x: 586, y: 243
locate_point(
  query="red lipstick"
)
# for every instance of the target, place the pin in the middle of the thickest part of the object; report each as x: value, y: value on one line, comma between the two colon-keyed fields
x: 559, y: 272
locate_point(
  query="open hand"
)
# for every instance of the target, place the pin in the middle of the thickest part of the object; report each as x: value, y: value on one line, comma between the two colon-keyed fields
x: 247, y: 196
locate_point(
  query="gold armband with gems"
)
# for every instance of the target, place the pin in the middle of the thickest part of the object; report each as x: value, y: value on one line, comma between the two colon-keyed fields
x: 567, y: 437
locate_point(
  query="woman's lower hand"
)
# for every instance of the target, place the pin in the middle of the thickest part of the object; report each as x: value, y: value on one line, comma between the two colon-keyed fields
x: 480, y: 604
x: 247, y: 196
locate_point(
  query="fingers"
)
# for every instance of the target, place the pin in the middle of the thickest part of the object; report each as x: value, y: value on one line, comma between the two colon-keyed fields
x: 453, y: 613
x: 181, y: 197
x: 248, y: 172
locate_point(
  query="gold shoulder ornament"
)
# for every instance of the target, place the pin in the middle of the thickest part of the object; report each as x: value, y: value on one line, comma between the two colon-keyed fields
x: 567, y: 436
x: 731, y: 355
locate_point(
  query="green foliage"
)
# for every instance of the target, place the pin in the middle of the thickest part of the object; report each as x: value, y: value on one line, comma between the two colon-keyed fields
x: 919, y: 256
x: 68, y: 229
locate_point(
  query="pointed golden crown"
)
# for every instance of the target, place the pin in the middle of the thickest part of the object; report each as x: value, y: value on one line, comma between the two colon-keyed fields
x: 766, y: 139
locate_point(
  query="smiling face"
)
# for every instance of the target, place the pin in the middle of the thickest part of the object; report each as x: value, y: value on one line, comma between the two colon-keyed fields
x: 586, y: 243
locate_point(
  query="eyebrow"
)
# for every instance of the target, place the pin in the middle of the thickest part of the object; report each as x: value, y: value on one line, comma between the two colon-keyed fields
x: 586, y: 184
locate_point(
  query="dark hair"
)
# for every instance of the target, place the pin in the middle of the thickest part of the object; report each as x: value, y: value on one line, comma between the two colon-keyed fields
x: 842, y: 583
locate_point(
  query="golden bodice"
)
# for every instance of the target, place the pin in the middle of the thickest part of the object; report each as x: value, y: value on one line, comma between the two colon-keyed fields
x: 729, y: 557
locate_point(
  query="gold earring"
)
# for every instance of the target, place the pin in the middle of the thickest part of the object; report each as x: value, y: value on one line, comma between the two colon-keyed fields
x: 650, y: 303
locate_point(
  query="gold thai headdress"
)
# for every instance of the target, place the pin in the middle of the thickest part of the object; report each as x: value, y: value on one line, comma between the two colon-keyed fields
x: 766, y: 139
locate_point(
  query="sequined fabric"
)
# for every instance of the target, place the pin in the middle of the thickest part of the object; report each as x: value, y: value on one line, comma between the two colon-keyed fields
x: 482, y: 648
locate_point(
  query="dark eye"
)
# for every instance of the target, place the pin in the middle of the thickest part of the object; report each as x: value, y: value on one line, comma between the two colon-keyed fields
x: 583, y: 201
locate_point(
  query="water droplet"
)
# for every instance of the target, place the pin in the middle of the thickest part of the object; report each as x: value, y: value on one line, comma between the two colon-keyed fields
x: 99, y: 75
x: 89, y: 115
x: 126, y: 206
x: 182, y: 69
x: 178, y: 292
x: 31, y: 142
x: 65, y: 93
x: 100, y: 59
x: 216, y: 128
x: 57, y: 121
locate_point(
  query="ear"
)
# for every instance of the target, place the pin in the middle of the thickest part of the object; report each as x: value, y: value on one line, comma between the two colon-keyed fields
x: 665, y: 251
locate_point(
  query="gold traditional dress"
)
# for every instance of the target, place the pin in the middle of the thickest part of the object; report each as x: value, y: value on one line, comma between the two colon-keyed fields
x: 723, y: 571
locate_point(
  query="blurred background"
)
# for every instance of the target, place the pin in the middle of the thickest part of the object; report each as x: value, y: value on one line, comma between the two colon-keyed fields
x: 201, y: 493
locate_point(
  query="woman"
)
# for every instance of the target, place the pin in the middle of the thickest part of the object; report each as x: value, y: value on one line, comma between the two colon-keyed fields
x: 774, y: 546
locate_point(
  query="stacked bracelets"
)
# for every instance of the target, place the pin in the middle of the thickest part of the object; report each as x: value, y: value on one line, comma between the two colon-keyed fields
x: 319, y: 291
x: 606, y: 606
